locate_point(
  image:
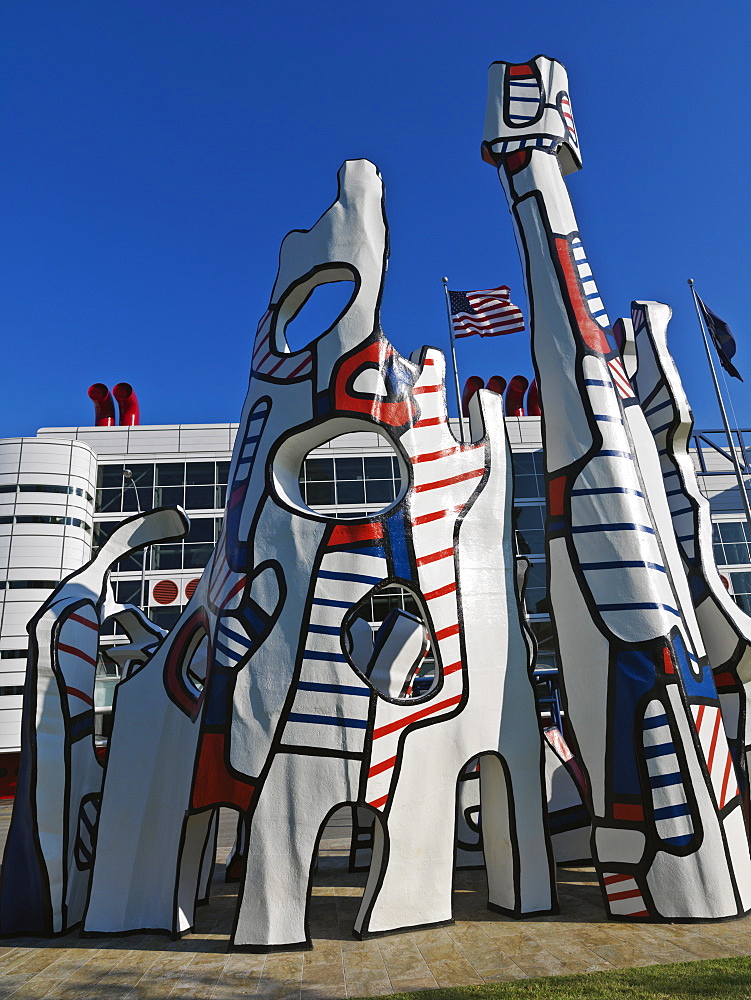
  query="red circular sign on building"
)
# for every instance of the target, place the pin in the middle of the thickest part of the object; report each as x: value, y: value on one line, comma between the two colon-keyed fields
x: 190, y: 588
x: 165, y: 592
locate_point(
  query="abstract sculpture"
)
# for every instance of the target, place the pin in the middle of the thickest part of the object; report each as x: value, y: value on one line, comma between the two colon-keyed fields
x: 638, y: 687
x: 51, y: 841
x: 264, y: 697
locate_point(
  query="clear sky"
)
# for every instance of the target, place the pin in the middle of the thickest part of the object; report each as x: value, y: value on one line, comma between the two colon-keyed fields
x: 155, y: 152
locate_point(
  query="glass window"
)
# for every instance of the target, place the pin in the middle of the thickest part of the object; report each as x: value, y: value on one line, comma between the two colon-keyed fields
x: 170, y: 473
x: 201, y: 530
x: 529, y: 474
x: 529, y: 523
x: 222, y: 472
x: 143, y: 475
x: 350, y: 492
x: 199, y: 497
x: 133, y: 562
x: 220, y: 497
x: 379, y: 467
x: 731, y: 542
x: 545, y: 637
x: 741, y: 583
x: 197, y: 554
x: 166, y: 556
x: 319, y: 493
x: 168, y: 496
x: 379, y: 490
x: 128, y: 592
x: 318, y: 470
x: 102, y: 531
x: 165, y: 618
x: 109, y: 476
x: 133, y: 500
x: 199, y: 473
x: 109, y: 499
x: 536, y: 591
x: 349, y: 469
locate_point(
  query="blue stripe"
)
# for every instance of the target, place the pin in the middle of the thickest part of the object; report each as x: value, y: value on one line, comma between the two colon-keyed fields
x: 348, y: 577
x: 663, y: 780
x: 683, y: 510
x: 610, y: 453
x: 639, y: 606
x: 678, y: 841
x: 326, y: 603
x: 625, y: 564
x: 243, y: 640
x: 656, y: 409
x: 597, y: 381
x: 615, y: 526
x: 662, y: 427
x: 661, y: 750
x: 313, y: 654
x: 685, y: 538
x: 230, y: 653
x: 259, y: 413
x: 672, y: 812
x: 526, y: 100
x: 673, y: 493
x: 325, y: 629
x: 518, y: 83
x: 592, y: 295
x: 332, y: 688
x: 329, y: 720
x: 605, y: 417
x: 600, y: 312
x: 521, y: 118
x: 398, y: 543
x: 602, y: 490
x: 655, y: 721
x: 670, y: 472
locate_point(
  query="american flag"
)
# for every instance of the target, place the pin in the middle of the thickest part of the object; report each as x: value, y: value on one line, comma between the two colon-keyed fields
x: 488, y: 312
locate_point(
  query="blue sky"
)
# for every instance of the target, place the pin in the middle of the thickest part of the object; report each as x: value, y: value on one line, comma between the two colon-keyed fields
x: 157, y: 151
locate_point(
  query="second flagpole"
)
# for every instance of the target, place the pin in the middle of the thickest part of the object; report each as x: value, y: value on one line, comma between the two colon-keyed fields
x: 453, y: 358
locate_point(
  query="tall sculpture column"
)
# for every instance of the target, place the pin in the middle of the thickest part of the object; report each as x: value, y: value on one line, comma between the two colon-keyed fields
x: 668, y: 833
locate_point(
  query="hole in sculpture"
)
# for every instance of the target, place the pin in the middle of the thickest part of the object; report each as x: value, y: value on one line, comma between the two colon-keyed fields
x: 307, y: 312
x: 337, y: 480
x: 388, y: 640
x: 195, y: 662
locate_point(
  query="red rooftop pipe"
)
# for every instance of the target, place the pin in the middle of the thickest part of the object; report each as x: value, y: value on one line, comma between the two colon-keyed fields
x: 127, y: 401
x: 473, y: 384
x: 533, y: 400
x: 497, y: 383
x: 104, y: 405
x: 515, y: 396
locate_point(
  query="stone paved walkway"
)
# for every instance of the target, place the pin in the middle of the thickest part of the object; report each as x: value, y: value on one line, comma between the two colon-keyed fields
x: 479, y: 947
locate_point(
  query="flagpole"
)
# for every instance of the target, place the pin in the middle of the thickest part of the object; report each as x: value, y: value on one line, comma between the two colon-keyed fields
x: 453, y: 358
x: 726, y: 424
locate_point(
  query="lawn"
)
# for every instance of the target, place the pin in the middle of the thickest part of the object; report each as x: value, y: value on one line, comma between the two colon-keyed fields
x: 725, y: 978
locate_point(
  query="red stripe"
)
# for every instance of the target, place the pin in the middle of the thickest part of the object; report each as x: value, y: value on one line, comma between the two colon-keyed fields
x: 639, y: 913
x: 429, y: 422
x: 616, y: 878
x: 346, y: 534
x: 79, y: 694
x: 699, y: 717
x: 726, y: 778
x: 713, y: 744
x: 452, y: 668
x: 276, y: 366
x: 630, y: 894
x: 263, y: 360
x: 84, y: 621
x: 377, y: 803
x: 429, y: 361
x: 394, y: 727
x: 444, y: 633
x: 75, y: 652
x: 385, y: 765
x: 435, y: 556
x: 427, y: 518
x: 474, y: 474
x: 441, y: 592
x: 235, y: 590
x: 520, y: 71
x: 415, y: 459
x: 261, y: 342
x: 300, y: 367
x: 418, y: 389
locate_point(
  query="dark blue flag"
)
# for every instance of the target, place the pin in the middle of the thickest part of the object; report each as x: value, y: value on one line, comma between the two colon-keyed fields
x: 722, y: 338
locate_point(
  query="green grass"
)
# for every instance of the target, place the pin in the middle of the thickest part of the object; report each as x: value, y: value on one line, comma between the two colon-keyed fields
x: 719, y: 979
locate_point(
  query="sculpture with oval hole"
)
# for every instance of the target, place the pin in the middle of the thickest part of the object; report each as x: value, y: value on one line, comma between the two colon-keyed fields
x: 288, y: 714
x: 51, y: 841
